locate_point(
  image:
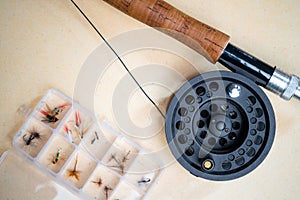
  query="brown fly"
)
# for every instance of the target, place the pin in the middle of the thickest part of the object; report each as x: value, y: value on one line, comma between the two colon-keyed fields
x: 33, y: 135
x: 99, y: 182
x: 120, y: 162
x: 107, y: 189
x: 94, y: 139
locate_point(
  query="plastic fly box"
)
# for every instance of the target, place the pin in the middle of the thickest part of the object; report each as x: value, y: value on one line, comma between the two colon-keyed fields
x: 83, y: 154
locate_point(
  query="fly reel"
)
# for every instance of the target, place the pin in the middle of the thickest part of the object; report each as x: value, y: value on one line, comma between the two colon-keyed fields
x: 220, y: 125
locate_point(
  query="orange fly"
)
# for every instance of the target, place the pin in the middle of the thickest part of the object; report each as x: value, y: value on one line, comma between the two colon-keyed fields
x: 74, y: 172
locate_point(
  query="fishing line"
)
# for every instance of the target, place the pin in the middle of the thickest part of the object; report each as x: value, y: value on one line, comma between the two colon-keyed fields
x: 119, y: 58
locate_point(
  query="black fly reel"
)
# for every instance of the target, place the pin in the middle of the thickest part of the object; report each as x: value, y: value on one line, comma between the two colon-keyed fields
x: 220, y: 125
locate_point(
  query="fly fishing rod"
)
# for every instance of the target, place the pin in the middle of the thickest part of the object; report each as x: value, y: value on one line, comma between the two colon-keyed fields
x: 219, y: 125
x: 209, y: 42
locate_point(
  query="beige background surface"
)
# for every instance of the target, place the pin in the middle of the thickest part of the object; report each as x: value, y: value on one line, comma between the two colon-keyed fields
x: 43, y: 45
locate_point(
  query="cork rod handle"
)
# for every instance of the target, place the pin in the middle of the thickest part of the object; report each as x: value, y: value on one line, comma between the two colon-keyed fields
x: 158, y: 14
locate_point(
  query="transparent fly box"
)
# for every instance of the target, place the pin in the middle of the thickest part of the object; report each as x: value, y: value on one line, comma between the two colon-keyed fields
x: 86, y: 156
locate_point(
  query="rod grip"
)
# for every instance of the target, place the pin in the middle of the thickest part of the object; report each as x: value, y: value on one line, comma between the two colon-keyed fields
x: 158, y: 14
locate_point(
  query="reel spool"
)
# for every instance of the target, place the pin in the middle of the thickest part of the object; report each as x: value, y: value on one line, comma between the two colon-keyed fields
x: 220, y: 125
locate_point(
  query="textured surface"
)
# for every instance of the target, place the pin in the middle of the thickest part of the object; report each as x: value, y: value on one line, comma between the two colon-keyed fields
x: 159, y: 14
x: 44, y: 43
